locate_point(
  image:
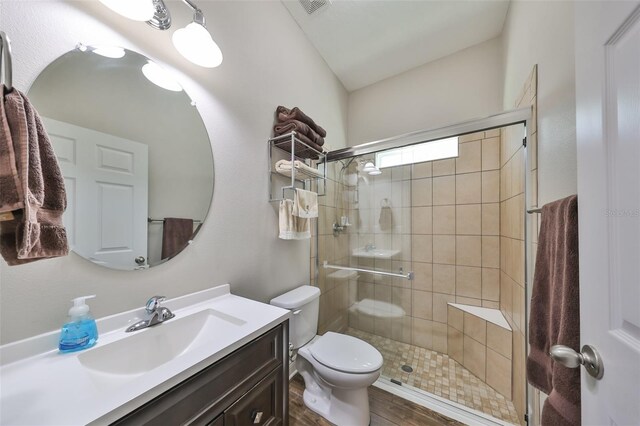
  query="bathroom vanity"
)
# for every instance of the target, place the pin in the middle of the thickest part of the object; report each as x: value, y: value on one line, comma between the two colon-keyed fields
x: 248, y: 386
x: 221, y: 361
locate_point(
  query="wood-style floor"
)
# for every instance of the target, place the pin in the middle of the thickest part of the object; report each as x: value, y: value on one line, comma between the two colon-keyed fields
x: 386, y: 410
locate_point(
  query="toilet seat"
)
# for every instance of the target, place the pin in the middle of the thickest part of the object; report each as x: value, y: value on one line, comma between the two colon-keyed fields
x: 346, y: 353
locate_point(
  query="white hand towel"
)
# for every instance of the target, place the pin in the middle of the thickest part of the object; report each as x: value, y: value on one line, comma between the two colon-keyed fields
x: 292, y: 227
x: 284, y: 168
x: 305, y: 204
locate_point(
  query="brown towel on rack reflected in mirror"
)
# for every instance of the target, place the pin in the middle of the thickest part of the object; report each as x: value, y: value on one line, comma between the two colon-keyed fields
x: 285, y: 114
x: 176, y: 234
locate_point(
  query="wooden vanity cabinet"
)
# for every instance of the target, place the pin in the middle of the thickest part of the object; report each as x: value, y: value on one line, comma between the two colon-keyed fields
x: 247, y: 387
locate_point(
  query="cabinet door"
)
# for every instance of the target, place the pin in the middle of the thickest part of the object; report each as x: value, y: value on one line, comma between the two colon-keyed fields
x: 262, y: 405
x: 218, y: 421
x: 206, y: 395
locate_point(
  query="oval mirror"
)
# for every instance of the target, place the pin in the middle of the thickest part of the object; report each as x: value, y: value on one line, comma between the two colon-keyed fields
x: 134, y: 153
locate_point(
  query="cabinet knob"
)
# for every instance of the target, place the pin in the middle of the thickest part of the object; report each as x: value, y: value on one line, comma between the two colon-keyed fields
x: 256, y: 417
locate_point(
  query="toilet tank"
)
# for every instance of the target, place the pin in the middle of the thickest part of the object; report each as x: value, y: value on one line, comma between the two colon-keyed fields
x: 304, y: 301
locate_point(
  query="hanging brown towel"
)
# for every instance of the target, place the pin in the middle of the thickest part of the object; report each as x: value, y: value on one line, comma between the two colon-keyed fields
x: 555, y: 312
x: 176, y: 234
x: 11, y: 195
x: 34, y: 230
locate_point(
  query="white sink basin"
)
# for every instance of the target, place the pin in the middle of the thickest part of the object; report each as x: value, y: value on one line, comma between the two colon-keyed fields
x: 374, y: 253
x: 149, y: 348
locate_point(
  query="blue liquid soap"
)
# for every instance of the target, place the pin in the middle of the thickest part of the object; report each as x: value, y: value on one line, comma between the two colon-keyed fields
x: 78, y: 335
x: 81, y: 332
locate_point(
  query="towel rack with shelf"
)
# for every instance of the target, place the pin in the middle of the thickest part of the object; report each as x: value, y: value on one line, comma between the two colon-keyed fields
x: 304, y: 173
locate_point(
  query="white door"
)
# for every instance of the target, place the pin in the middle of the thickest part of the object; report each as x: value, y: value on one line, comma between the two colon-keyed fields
x: 107, y: 190
x: 608, y: 135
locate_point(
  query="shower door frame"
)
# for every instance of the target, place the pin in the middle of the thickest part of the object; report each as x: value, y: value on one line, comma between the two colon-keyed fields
x: 503, y: 119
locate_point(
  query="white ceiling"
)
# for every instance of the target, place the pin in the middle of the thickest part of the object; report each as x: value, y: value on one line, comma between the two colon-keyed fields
x: 365, y: 41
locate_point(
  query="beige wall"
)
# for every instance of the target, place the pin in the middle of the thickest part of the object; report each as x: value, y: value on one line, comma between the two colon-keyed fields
x: 238, y: 243
x: 542, y: 33
x: 465, y: 85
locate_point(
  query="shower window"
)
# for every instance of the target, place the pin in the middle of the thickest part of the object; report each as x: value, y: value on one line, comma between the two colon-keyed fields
x: 427, y: 151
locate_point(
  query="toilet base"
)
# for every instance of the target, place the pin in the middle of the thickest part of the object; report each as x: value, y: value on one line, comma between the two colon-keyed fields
x: 342, y: 407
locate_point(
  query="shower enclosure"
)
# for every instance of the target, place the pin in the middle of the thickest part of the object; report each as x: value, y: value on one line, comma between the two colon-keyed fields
x: 421, y: 252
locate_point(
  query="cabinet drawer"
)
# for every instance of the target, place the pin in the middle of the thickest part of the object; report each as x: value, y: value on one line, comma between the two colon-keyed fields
x: 262, y: 405
x: 205, y: 395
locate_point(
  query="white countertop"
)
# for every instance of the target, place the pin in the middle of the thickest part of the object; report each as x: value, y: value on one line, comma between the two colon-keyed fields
x: 40, y: 386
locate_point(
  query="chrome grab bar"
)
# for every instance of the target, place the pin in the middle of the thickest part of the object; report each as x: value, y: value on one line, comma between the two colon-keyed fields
x: 407, y: 276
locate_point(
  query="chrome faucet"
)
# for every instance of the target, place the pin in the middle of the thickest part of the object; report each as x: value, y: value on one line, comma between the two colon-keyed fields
x: 369, y: 247
x: 157, y: 314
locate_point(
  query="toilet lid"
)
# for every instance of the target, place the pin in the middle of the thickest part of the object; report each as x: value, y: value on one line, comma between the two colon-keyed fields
x: 345, y: 353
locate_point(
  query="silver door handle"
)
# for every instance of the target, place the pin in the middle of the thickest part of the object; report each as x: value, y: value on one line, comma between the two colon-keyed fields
x: 589, y: 357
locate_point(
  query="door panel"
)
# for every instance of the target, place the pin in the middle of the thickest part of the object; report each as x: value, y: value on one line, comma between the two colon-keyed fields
x: 608, y: 136
x: 107, y: 193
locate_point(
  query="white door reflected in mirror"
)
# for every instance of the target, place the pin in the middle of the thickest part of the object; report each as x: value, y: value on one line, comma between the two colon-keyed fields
x: 111, y: 175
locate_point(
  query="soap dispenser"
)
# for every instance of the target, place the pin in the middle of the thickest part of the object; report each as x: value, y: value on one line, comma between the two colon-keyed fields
x: 81, y: 331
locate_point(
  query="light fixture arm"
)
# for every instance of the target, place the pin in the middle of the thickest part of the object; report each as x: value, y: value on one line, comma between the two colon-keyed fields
x: 198, y: 16
x: 162, y: 18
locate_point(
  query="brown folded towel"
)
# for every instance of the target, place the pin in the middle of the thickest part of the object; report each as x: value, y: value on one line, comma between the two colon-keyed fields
x: 176, y: 234
x: 301, y: 150
x: 11, y: 195
x: 555, y: 312
x: 300, y: 128
x: 286, y: 114
x: 36, y: 232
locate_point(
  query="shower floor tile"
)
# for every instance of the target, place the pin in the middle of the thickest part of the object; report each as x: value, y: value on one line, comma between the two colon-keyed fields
x: 440, y: 375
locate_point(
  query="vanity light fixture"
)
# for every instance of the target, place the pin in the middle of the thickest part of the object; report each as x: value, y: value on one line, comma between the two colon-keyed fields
x: 160, y: 77
x: 194, y: 41
x: 138, y: 10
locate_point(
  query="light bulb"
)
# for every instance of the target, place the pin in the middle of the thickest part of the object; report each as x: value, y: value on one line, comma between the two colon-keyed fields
x: 196, y: 44
x: 160, y: 77
x: 109, y: 51
x: 369, y: 167
x: 375, y: 172
x: 138, y: 10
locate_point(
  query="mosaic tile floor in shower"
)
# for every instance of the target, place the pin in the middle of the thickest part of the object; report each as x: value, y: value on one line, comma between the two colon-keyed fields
x: 439, y: 375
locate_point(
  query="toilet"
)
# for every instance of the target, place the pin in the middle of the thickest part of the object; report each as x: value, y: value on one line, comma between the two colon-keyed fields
x: 336, y: 368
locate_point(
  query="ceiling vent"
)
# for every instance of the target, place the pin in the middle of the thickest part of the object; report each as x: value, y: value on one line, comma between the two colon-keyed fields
x: 312, y: 6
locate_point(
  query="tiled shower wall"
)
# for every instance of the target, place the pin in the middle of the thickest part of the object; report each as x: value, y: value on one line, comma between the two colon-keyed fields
x: 512, y: 232
x: 446, y: 226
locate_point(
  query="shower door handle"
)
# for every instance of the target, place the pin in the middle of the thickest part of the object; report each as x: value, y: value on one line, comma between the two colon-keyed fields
x: 589, y: 358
